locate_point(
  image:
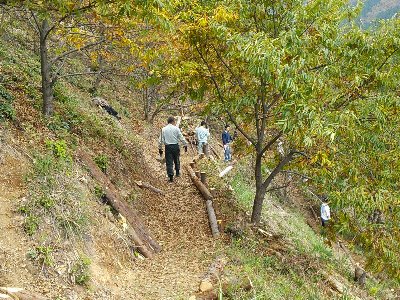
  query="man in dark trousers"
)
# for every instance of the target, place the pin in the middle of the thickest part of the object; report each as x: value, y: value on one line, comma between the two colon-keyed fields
x: 170, y: 136
x: 226, y: 140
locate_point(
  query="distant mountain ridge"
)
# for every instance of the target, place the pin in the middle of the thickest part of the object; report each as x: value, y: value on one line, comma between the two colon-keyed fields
x: 378, y: 9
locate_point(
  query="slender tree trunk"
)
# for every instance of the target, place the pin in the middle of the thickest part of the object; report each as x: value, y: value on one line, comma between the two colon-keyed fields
x: 260, y: 191
x: 146, y: 102
x: 97, y: 80
x: 262, y: 186
x: 45, y: 67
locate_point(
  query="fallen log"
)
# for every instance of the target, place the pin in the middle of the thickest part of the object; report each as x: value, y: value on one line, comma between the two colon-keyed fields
x: 208, y: 197
x: 203, y: 178
x: 148, y: 186
x: 19, y: 294
x: 212, y: 218
x: 200, y: 186
x: 139, y: 233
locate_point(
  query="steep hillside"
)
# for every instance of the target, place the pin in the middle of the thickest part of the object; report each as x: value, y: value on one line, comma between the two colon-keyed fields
x: 61, y: 240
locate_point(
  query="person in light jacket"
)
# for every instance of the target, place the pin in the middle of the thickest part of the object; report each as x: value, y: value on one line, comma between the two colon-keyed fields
x: 325, y: 212
x: 202, y: 134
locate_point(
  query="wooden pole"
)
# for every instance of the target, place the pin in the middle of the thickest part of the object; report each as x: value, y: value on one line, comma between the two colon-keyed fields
x: 208, y: 197
x: 197, y: 173
x: 212, y: 218
x: 213, y: 192
x: 148, y: 186
x: 203, y: 178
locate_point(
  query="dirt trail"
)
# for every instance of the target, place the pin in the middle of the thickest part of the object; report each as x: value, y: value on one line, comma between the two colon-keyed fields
x: 177, y: 220
x: 12, y: 241
x: 179, y: 223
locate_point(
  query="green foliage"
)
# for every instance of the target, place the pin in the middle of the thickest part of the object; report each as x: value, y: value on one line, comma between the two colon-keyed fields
x: 102, y: 161
x: 31, y: 224
x: 99, y: 192
x: 6, y: 108
x: 58, y: 148
x: 54, y: 196
x: 80, y: 271
x: 42, y: 254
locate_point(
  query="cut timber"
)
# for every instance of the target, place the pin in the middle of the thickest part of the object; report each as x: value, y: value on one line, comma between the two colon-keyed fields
x: 212, y: 218
x: 200, y: 186
x: 197, y: 173
x: 148, y: 186
x: 225, y: 171
x: 208, y: 197
x: 203, y: 178
x: 142, y: 236
x: 213, y: 192
x: 20, y: 294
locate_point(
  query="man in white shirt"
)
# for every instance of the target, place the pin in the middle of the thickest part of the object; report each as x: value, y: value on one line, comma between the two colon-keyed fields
x: 202, y: 134
x: 325, y: 212
x: 170, y: 137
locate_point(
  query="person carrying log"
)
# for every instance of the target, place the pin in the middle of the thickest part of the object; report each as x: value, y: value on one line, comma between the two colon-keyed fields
x: 202, y: 134
x: 170, y: 137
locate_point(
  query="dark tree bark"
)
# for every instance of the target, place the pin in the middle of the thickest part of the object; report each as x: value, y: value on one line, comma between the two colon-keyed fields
x: 45, y: 68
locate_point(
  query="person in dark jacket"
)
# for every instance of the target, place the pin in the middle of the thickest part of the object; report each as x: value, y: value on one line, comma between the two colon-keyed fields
x: 170, y: 136
x: 226, y: 140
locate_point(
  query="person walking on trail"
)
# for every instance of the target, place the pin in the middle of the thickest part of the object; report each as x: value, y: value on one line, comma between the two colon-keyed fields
x: 226, y: 140
x: 325, y: 212
x: 202, y: 134
x: 170, y: 137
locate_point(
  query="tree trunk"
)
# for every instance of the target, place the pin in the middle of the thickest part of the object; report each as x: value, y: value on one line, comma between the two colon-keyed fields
x: 45, y: 68
x: 146, y: 104
x: 97, y: 80
x: 260, y: 192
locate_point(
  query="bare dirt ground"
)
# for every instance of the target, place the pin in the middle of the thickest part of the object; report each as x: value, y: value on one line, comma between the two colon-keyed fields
x: 177, y: 220
x: 179, y: 223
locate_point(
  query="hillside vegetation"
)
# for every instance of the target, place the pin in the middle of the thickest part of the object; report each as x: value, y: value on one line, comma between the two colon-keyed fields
x: 96, y: 80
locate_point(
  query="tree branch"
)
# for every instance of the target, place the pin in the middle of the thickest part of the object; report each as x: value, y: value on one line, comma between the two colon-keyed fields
x: 90, y: 5
x: 279, y: 167
x: 239, y: 82
x: 271, y: 142
x: 233, y: 120
x: 356, y: 95
x: 277, y: 188
x: 76, y: 50
x: 36, y: 22
x: 79, y: 74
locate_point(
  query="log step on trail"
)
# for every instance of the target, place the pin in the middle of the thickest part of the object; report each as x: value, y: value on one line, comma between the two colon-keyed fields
x: 136, y: 229
x: 149, y: 187
x: 208, y: 197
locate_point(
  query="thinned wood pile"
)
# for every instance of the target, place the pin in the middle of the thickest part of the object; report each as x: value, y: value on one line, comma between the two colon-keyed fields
x: 208, y: 197
x: 137, y: 230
